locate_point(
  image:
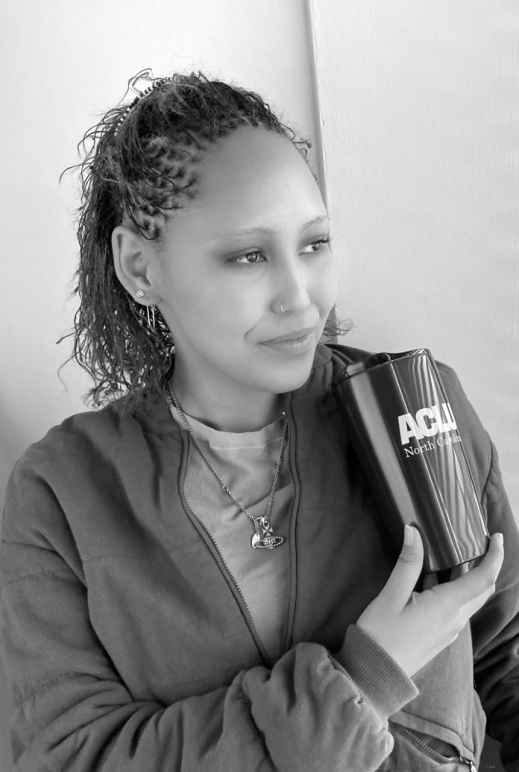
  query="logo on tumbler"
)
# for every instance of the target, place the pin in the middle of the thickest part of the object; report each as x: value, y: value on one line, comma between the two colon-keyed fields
x: 428, y: 422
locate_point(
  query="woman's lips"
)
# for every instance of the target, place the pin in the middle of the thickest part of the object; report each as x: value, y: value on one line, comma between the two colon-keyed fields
x: 301, y: 344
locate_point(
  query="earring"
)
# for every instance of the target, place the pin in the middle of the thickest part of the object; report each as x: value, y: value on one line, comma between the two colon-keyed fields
x: 150, y: 317
x: 139, y: 293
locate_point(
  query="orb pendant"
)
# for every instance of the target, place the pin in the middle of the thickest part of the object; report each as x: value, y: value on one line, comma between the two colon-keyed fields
x: 263, y: 536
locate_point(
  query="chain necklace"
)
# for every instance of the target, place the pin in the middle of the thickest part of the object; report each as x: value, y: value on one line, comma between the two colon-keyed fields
x: 263, y: 536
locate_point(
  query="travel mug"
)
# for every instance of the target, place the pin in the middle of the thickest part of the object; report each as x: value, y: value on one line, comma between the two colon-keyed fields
x: 407, y: 439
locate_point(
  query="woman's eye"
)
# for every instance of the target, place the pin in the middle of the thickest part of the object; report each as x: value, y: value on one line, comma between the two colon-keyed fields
x: 321, y: 241
x: 255, y: 253
x: 245, y: 256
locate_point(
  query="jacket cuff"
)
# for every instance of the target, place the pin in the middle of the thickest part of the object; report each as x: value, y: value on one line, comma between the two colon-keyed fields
x: 375, y: 672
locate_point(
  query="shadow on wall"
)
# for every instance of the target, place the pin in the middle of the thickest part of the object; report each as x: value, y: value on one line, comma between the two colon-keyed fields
x: 10, y: 450
x: 11, y: 447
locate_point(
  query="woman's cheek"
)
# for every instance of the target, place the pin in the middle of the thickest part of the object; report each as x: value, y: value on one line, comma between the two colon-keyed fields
x: 328, y: 284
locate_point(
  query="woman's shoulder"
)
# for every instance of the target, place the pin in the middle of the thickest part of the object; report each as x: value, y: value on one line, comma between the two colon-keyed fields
x: 96, y: 434
x: 94, y: 450
x: 88, y: 428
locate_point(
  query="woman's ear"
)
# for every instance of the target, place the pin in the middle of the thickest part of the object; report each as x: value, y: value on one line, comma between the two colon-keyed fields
x: 132, y: 255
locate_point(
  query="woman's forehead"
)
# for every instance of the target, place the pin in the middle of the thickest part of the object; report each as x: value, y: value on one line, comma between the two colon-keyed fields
x: 251, y: 180
x: 246, y: 155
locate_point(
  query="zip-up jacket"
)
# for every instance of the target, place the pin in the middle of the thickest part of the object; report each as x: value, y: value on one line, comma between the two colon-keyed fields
x: 127, y: 644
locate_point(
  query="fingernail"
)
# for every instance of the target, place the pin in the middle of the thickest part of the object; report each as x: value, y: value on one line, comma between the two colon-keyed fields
x: 499, y: 539
x: 408, y: 536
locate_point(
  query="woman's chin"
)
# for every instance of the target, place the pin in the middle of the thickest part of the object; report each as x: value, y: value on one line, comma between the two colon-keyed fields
x: 291, y: 375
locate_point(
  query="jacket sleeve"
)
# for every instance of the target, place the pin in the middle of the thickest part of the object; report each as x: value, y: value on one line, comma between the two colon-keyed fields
x: 72, y: 711
x: 495, y: 627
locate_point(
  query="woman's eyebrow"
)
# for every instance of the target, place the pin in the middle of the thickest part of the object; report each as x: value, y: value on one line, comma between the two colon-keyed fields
x: 259, y: 229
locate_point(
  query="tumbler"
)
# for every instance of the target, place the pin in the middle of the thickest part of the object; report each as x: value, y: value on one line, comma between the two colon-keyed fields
x: 408, y: 441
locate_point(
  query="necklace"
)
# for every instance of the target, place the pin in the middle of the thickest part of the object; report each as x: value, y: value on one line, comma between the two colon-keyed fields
x: 263, y: 536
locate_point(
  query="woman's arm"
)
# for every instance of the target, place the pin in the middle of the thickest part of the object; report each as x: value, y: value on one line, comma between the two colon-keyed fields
x: 71, y: 709
x: 495, y: 629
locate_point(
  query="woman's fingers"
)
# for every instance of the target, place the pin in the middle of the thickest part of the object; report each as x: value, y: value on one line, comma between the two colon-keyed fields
x: 469, y: 592
x: 398, y: 616
x: 402, y: 580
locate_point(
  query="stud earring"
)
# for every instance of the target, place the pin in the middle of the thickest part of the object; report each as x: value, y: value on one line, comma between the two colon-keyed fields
x: 139, y: 293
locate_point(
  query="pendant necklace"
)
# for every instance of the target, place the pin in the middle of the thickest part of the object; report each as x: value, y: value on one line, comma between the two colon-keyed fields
x: 263, y: 536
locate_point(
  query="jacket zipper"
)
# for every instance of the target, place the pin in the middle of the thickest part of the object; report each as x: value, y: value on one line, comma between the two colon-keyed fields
x: 292, y: 523
x: 213, y: 548
x: 427, y: 749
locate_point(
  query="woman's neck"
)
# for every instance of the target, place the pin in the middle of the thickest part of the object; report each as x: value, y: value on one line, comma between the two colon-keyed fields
x: 238, y: 412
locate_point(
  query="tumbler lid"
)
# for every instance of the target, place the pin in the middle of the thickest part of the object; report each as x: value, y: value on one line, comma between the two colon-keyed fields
x: 382, y: 358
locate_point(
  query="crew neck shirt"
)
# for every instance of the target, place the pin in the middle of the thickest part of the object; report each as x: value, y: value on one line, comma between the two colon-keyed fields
x: 245, y: 462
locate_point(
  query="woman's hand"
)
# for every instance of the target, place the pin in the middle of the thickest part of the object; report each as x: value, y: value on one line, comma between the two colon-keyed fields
x: 414, y: 627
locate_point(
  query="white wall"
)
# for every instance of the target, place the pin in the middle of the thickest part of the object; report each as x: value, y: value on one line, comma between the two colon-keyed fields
x: 421, y: 136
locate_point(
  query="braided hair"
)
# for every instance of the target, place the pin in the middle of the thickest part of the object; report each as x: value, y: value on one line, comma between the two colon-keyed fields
x: 141, y: 162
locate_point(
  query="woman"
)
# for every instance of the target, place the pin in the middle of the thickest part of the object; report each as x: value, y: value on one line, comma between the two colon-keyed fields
x: 193, y: 575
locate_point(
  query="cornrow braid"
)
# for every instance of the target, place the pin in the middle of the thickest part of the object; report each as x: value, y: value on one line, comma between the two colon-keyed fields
x: 139, y: 161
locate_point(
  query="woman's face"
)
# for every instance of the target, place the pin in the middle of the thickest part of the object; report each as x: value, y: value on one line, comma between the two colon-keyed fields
x: 219, y: 288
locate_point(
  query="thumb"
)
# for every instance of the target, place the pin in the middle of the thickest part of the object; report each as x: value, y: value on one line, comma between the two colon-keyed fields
x: 402, y: 580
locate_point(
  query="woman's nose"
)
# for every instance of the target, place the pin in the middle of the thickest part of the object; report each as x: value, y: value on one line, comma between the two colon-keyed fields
x: 291, y: 289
